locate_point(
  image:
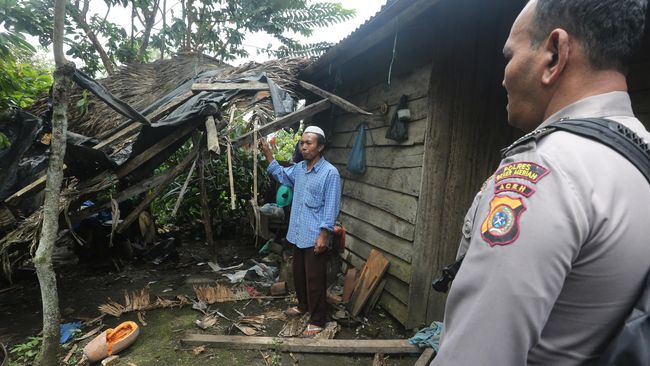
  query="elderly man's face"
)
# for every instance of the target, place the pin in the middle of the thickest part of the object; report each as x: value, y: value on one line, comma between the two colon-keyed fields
x: 309, y: 146
x: 522, y: 76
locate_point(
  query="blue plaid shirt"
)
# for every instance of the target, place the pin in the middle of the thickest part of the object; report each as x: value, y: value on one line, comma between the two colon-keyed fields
x: 316, y: 199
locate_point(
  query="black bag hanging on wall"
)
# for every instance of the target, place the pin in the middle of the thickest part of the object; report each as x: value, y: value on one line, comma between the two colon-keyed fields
x: 399, y: 129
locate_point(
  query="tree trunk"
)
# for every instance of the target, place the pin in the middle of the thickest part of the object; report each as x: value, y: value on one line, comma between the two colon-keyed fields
x: 50, y: 228
x: 164, y: 22
x: 149, y: 19
x: 80, y: 18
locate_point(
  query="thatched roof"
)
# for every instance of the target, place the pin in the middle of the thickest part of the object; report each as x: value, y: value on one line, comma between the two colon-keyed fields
x: 139, y: 85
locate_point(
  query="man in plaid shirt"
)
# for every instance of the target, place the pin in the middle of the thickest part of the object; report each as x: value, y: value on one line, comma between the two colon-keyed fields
x: 316, y: 201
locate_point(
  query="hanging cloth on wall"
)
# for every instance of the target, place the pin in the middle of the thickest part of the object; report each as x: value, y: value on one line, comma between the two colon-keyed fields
x: 399, y: 129
x: 357, y: 159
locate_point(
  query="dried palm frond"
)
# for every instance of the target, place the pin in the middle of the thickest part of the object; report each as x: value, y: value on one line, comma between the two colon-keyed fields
x: 219, y: 293
x: 141, y: 301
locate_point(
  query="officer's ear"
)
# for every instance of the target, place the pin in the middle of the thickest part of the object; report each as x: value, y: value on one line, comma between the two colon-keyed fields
x: 556, y: 54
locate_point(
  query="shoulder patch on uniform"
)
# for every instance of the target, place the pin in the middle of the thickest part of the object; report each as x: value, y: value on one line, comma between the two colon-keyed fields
x: 501, y: 226
x: 531, y: 172
x: 486, y: 183
x: 514, y: 187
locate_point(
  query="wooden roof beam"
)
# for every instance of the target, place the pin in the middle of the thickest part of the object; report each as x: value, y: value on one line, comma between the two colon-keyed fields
x: 285, y: 121
x: 249, y: 85
x: 335, y: 99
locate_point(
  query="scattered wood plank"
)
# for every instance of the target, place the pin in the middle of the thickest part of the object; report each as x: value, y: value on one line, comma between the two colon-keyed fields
x: 183, y: 189
x: 356, y: 346
x: 349, y: 283
x: 121, y: 196
x: 211, y: 132
x: 249, y: 85
x: 36, y: 185
x: 374, y: 299
x: 159, y: 113
x: 155, y: 149
x: 285, y: 121
x: 125, y: 132
x: 335, y: 99
x: 425, y: 357
x: 357, y: 250
x: 371, y: 275
x: 130, y: 127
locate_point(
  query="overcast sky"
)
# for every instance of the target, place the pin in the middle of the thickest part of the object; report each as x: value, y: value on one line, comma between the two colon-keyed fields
x: 364, y: 10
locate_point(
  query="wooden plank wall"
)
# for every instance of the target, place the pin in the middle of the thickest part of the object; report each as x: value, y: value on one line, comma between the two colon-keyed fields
x: 379, y: 207
x: 468, y: 127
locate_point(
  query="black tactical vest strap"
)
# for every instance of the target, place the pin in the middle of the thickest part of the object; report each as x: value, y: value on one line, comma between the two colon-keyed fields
x: 613, y: 134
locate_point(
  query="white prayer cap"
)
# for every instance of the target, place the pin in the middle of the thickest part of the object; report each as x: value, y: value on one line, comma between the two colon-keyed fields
x: 315, y: 129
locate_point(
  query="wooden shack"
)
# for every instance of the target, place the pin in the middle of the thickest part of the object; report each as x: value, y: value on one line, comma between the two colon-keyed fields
x: 446, y: 57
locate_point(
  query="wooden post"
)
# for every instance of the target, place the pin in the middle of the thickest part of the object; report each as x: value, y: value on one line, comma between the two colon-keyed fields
x: 205, y: 207
x: 175, y: 171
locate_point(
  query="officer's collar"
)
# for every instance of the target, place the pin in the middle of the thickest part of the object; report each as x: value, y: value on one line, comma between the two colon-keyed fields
x: 602, y: 105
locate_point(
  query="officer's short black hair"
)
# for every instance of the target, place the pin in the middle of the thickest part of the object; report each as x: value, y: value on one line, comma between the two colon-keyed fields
x: 609, y: 30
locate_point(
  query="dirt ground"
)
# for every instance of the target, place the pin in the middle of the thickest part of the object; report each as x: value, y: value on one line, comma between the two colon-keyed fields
x: 82, y: 288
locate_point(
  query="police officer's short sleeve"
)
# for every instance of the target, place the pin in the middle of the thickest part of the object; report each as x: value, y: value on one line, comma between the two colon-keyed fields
x: 525, y: 233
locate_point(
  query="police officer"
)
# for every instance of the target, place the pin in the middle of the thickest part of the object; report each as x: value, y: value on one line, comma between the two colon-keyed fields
x: 557, y: 242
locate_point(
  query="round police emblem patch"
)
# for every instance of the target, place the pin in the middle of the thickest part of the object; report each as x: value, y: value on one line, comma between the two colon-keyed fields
x: 501, y: 221
x: 501, y: 226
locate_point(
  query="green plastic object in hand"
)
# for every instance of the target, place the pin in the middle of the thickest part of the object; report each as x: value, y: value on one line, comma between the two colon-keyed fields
x: 284, y: 196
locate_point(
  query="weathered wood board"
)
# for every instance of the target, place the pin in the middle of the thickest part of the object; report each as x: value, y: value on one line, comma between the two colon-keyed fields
x: 349, y: 122
x: 381, y: 157
x: 381, y: 239
x: 371, y: 275
x: 425, y: 357
x: 395, y: 307
x: 395, y: 286
x: 335, y: 99
x: 379, y: 218
x: 355, y: 346
x: 403, y: 180
x: 217, y: 86
x: 377, y: 136
x: 359, y: 248
x: 284, y: 121
x: 398, y: 204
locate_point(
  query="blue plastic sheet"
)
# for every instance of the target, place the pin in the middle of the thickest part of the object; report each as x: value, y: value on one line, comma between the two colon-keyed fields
x: 68, y: 330
x: 428, y: 337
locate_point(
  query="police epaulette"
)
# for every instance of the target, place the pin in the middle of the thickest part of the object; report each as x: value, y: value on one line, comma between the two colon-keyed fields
x: 534, y: 135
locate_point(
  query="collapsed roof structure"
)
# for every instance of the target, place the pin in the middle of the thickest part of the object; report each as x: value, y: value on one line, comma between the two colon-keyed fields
x: 132, y: 122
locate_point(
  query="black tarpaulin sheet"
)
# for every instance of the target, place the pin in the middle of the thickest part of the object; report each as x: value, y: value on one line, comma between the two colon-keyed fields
x: 102, y: 93
x: 197, y: 108
x: 21, y: 128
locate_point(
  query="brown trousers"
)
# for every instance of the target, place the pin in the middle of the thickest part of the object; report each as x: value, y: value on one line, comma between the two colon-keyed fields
x: 310, y: 279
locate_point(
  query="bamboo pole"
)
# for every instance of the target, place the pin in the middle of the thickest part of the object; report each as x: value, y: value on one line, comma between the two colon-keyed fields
x: 230, y: 175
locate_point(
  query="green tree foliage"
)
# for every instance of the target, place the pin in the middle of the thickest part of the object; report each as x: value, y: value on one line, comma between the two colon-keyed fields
x: 214, y: 27
x: 218, y: 188
x: 218, y: 27
x: 21, y: 82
